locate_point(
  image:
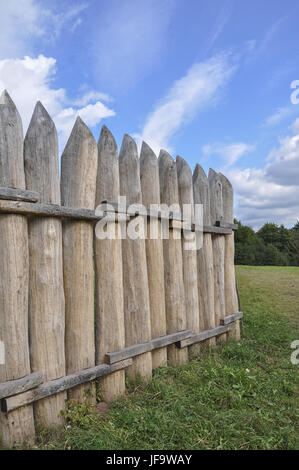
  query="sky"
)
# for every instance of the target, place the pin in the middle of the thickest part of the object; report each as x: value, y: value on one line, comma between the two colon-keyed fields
x: 214, y: 81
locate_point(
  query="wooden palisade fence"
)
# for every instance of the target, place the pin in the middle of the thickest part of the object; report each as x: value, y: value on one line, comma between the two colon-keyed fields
x: 75, y: 307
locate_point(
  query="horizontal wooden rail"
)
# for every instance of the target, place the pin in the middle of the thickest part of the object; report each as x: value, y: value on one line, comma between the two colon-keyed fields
x: 221, y: 223
x: 202, y: 336
x: 60, y: 385
x: 49, y: 210
x: 138, y: 349
x: 133, y: 212
x: 14, y: 194
x: 217, y: 230
x: 54, y: 210
x: 231, y: 318
x: 13, y: 387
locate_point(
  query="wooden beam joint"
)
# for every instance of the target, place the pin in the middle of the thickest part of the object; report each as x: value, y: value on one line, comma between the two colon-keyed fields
x: 56, y: 386
x: 137, y: 349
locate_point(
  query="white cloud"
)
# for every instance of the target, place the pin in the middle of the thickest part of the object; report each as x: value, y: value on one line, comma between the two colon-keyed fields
x: 19, y: 21
x: 221, y: 21
x: 29, y: 80
x: 23, y: 21
x: 198, y: 89
x: 295, y: 127
x: 92, y: 96
x: 270, y: 194
x: 230, y: 153
x: 56, y: 22
x: 259, y: 48
x: 91, y: 114
x: 280, y: 115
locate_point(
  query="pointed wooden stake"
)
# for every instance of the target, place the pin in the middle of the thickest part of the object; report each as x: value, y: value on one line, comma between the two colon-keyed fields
x: 216, y: 207
x: 205, y: 255
x: 149, y: 176
x: 110, y: 331
x: 185, y: 186
x: 136, y: 292
x: 17, y: 426
x: 46, y: 295
x: 78, y: 188
x: 173, y: 262
x: 231, y: 297
x: 11, y: 144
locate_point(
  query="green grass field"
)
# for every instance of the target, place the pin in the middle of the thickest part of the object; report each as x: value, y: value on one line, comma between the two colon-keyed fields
x: 241, y: 395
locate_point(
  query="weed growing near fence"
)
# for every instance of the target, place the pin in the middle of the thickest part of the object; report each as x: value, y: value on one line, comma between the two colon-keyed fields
x: 242, y: 395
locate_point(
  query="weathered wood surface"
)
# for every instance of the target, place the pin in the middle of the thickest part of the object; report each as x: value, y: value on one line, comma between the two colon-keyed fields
x: 136, y: 292
x: 205, y: 335
x: 216, y: 210
x: 110, y: 331
x: 185, y: 187
x: 217, y: 230
x: 15, y: 194
x: 231, y: 296
x: 150, y: 187
x: 136, y: 210
x: 49, y: 210
x: 137, y: 349
x: 59, y: 386
x: 54, y: 210
x: 12, y: 387
x: 205, y: 265
x: 231, y: 318
x: 223, y: 224
x: 78, y: 188
x: 173, y: 262
x: 14, y: 269
x: 46, y: 295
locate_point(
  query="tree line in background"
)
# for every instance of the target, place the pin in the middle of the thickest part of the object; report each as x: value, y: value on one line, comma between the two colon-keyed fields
x: 271, y: 245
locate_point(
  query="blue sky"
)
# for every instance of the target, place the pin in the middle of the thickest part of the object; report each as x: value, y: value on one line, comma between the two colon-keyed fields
x: 208, y: 80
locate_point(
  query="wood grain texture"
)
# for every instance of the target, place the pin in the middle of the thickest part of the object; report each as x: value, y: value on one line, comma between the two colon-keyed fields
x: 218, y: 241
x: 14, y: 278
x: 78, y: 188
x: 49, y: 210
x: 173, y: 261
x: 150, y: 188
x: 205, y: 264
x: 12, y: 387
x: 46, y: 295
x: 185, y: 187
x: 154, y: 344
x: 231, y: 318
x: 62, y: 384
x: 136, y: 291
x: 15, y: 194
x: 231, y: 297
x: 110, y: 331
x: 205, y: 335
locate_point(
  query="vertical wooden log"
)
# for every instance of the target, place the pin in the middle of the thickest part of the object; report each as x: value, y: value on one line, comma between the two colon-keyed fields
x: 17, y: 426
x: 150, y: 187
x: 185, y: 187
x: 205, y: 264
x: 136, y: 291
x: 78, y: 188
x: 231, y: 297
x: 216, y: 208
x: 110, y: 331
x: 46, y: 295
x: 173, y: 262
